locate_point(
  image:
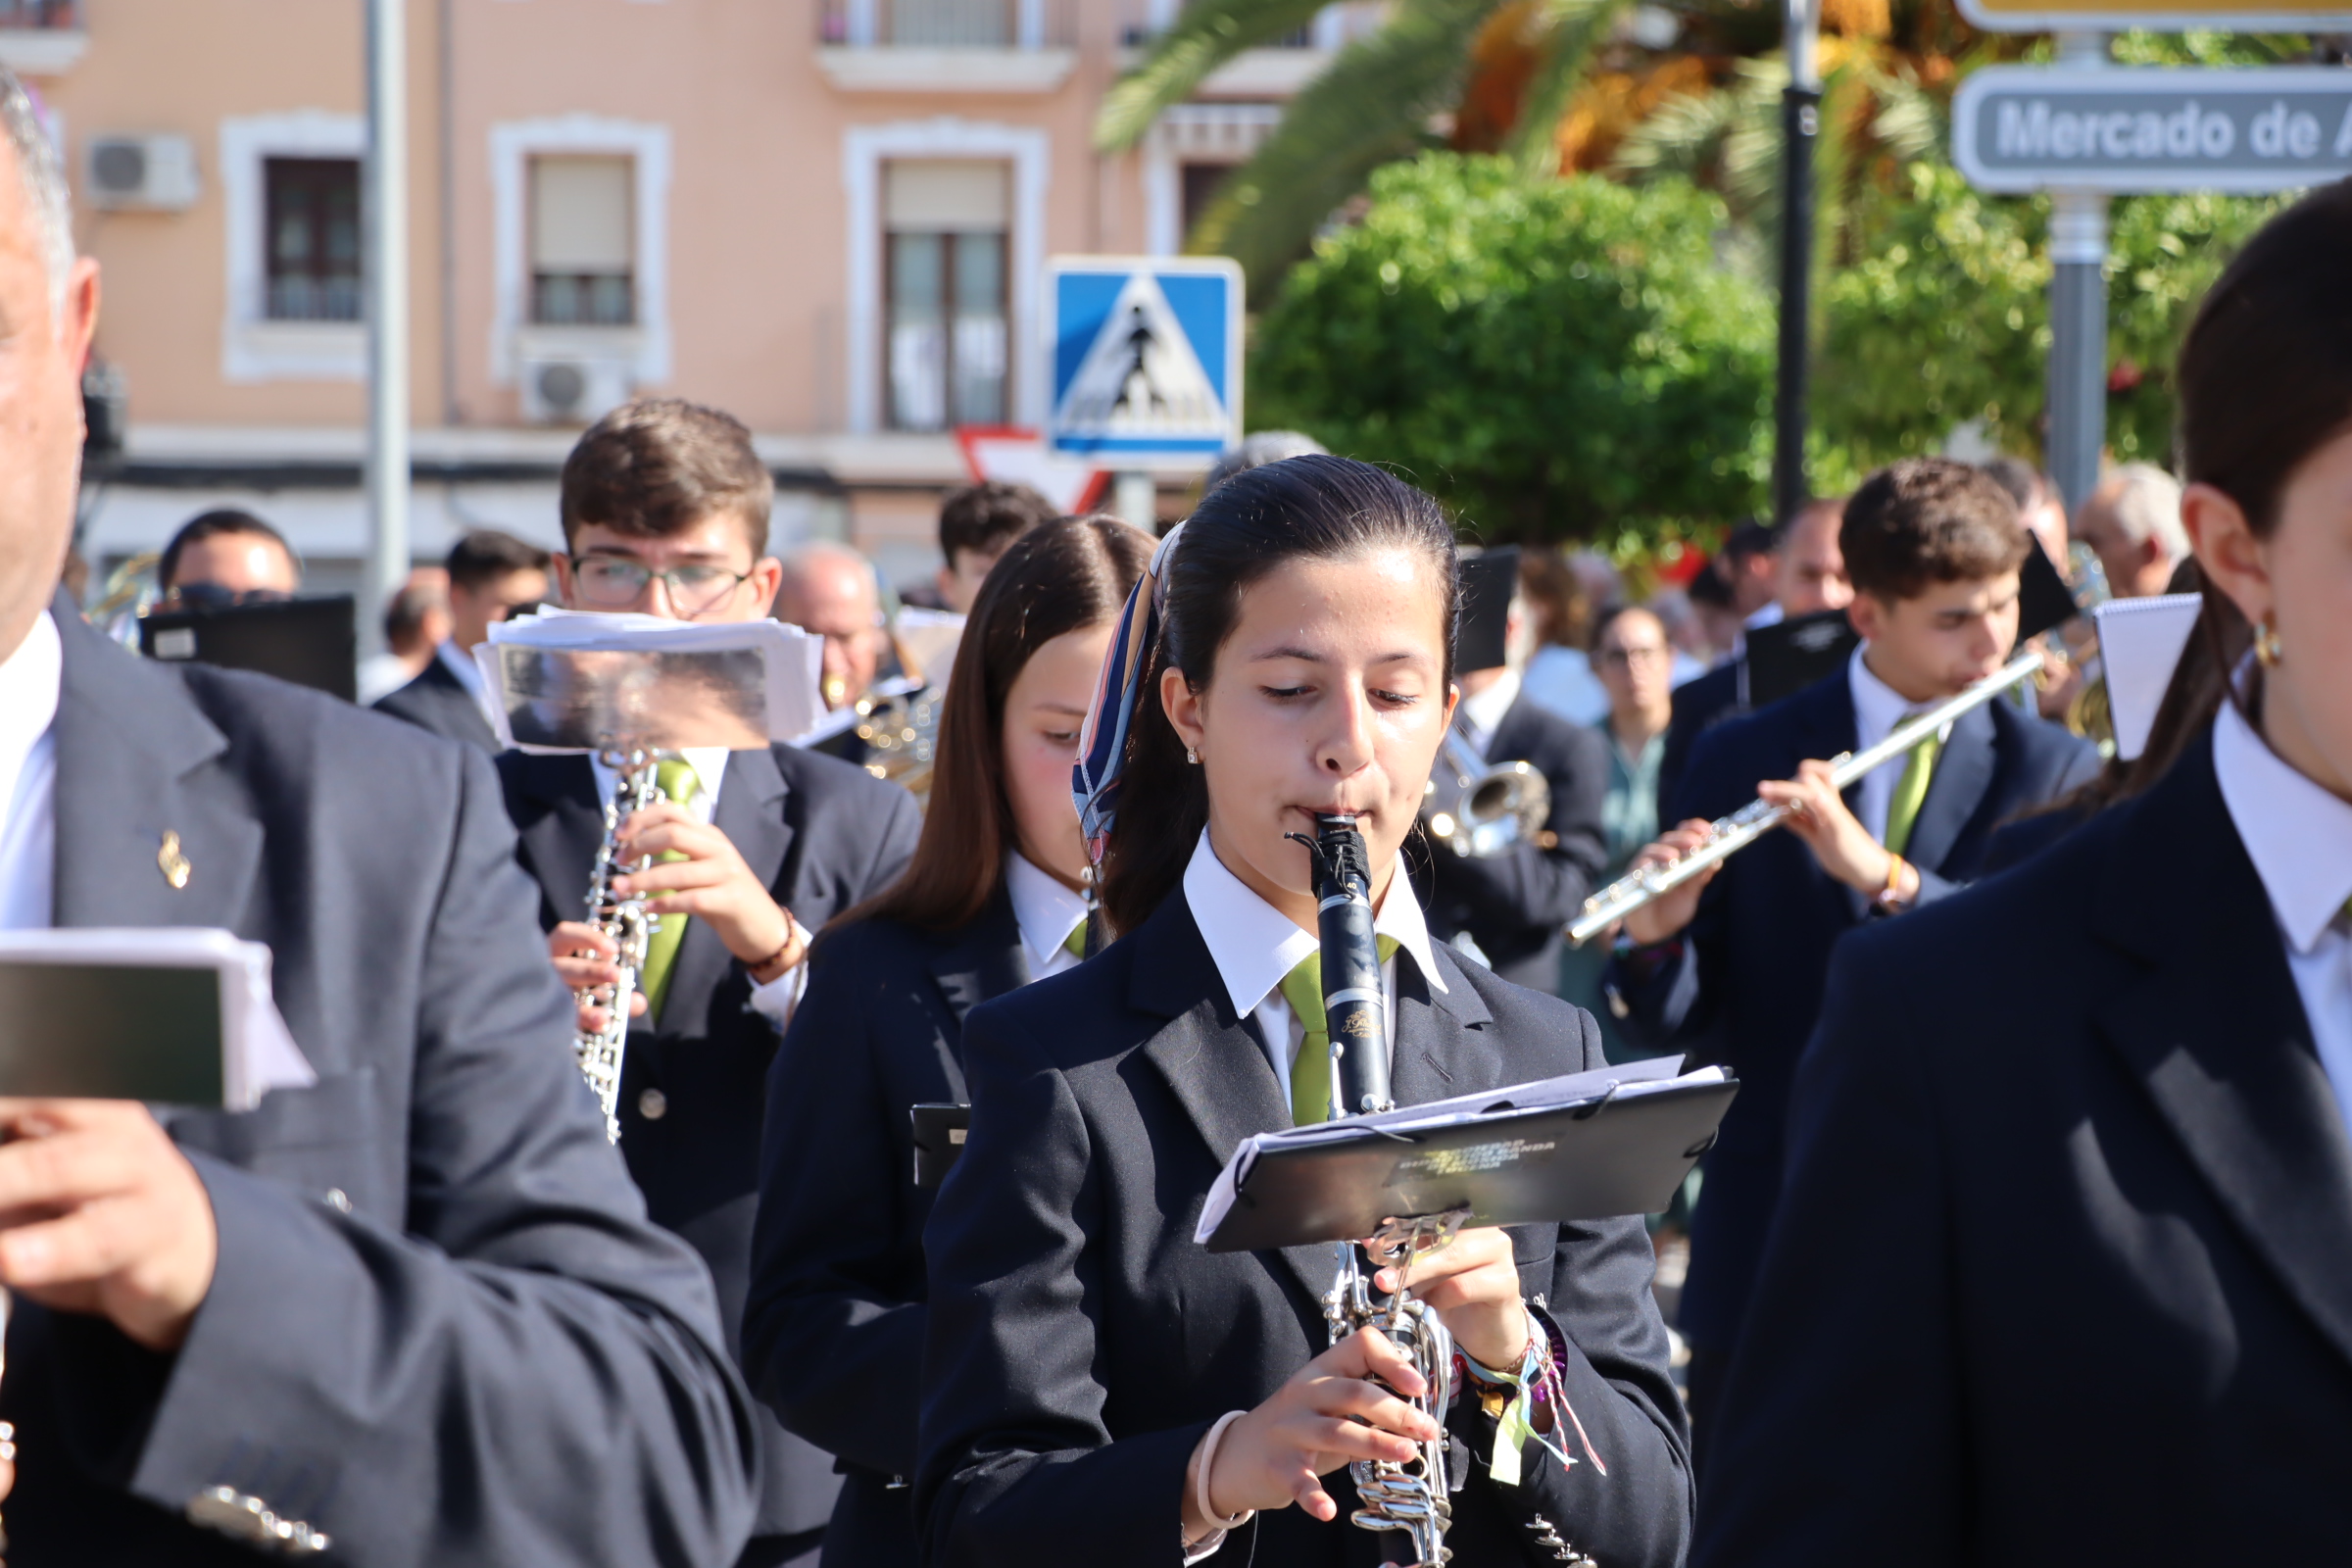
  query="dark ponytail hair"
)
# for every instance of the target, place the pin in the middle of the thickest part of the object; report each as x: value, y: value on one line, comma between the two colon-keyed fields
x: 2265, y: 381
x: 1058, y: 578
x: 1314, y: 506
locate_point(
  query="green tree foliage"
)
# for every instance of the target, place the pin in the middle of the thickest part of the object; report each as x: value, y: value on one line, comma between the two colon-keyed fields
x: 1561, y: 359
x: 1944, y: 319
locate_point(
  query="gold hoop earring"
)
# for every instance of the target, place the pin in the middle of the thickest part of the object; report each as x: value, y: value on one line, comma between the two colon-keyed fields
x: 1191, y: 756
x: 2267, y: 652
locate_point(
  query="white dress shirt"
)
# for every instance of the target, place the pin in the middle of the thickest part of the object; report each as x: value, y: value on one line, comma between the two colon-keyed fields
x: 1878, y: 708
x: 1561, y: 679
x: 1479, y: 716
x: 775, y: 1000
x: 1254, y: 945
x: 460, y: 663
x: 29, y: 682
x: 1047, y: 912
x: 2299, y: 838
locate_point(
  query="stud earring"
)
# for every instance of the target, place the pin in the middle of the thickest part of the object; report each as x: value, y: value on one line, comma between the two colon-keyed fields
x: 1191, y: 756
x: 2266, y: 651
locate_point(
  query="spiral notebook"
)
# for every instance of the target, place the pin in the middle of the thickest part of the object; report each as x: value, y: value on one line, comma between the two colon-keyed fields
x: 1588, y: 1145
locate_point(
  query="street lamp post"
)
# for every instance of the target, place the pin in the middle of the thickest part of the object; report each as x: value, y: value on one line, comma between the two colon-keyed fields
x: 386, y: 263
x: 1800, y: 123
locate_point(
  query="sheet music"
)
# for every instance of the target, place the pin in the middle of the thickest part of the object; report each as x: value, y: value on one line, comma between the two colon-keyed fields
x: 1628, y: 1082
x: 2140, y: 642
x: 258, y: 1050
x: 794, y: 661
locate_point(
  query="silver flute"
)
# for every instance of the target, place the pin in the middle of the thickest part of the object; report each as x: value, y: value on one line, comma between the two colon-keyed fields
x: 627, y: 922
x: 1729, y: 835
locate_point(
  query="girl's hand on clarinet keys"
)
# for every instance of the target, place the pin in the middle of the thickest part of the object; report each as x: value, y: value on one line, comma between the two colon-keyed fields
x: 1473, y: 1283
x: 1663, y: 918
x: 1329, y: 1413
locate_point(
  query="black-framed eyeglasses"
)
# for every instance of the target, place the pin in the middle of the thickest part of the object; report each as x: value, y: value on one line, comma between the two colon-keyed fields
x: 212, y: 596
x: 616, y: 582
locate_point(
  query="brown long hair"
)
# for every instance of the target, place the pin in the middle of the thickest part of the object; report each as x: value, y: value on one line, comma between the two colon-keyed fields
x: 1312, y: 507
x: 2265, y: 379
x: 1058, y: 577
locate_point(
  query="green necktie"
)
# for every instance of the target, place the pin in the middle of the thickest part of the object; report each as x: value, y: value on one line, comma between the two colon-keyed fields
x: 1310, y: 1069
x: 1902, y: 807
x: 1075, y: 943
x: 675, y: 779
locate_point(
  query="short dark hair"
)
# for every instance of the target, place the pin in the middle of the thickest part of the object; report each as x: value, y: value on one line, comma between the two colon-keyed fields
x: 656, y: 468
x: 1927, y: 521
x: 217, y: 523
x: 486, y: 555
x: 404, y: 611
x: 1748, y: 538
x: 2020, y: 478
x: 985, y: 517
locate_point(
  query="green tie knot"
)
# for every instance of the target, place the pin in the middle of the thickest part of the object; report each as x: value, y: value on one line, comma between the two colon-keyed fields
x: 1910, y: 791
x: 1075, y: 943
x: 1310, y: 1069
x: 675, y: 779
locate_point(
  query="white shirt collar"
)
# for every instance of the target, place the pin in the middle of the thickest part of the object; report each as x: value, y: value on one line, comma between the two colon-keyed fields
x: 30, y: 682
x: 1254, y: 945
x: 1484, y: 711
x: 709, y: 765
x: 1877, y: 706
x: 1045, y: 910
x: 2298, y: 835
x: 461, y: 665
x: 1771, y: 614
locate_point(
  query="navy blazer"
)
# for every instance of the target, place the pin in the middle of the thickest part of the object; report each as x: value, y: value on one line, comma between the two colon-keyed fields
x: 1081, y: 1342
x: 438, y: 702
x: 821, y: 835
x: 1700, y: 705
x: 1750, y: 992
x: 833, y: 1332
x: 1514, y: 905
x: 440, y: 1329
x: 2063, y: 1269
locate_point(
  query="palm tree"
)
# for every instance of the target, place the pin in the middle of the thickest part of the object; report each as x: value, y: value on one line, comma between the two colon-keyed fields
x: 1376, y: 103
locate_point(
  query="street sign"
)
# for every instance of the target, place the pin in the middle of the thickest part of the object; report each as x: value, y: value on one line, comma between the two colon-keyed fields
x: 2033, y: 127
x: 2158, y: 15
x: 1146, y: 360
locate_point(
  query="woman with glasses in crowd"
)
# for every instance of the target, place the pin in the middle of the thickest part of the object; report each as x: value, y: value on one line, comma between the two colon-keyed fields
x: 2062, y: 1269
x: 1101, y: 1387
x: 993, y: 900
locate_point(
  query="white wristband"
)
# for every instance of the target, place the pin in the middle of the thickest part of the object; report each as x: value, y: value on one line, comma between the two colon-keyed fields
x: 1208, y: 1459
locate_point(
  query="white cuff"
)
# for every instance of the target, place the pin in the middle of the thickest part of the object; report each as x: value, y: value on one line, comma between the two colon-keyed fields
x: 777, y: 999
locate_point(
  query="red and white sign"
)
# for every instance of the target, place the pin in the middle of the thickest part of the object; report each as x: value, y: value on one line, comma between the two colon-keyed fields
x: 1009, y: 455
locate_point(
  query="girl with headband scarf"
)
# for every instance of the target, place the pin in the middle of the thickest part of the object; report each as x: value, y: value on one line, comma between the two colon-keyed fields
x: 1100, y: 1388
x: 833, y: 1329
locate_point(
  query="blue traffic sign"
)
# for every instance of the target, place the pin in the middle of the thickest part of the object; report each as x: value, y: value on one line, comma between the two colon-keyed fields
x: 1146, y: 358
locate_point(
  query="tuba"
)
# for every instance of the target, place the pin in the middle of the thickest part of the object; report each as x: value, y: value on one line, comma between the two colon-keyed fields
x: 627, y: 922
x: 1411, y: 1496
x: 1479, y: 811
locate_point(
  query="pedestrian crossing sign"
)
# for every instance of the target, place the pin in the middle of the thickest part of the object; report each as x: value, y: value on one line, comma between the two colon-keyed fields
x: 1146, y: 360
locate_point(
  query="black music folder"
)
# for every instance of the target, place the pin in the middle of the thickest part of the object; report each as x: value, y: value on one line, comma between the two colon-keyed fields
x: 311, y: 642
x: 1788, y: 656
x: 938, y: 1141
x: 1589, y: 1146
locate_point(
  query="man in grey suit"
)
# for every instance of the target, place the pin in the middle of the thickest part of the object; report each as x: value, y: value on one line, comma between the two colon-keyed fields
x: 414, y: 1314
x: 491, y: 576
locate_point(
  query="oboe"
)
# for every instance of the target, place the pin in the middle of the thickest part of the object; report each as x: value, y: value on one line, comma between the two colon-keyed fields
x: 1409, y: 1496
x: 1736, y: 832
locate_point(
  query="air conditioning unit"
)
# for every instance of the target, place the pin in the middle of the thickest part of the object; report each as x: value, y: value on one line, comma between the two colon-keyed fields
x: 149, y: 174
x: 572, y: 389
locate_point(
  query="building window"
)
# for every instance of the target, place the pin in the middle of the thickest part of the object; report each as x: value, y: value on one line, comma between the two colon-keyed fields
x: 313, y: 206
x: 944, y: 276
x: 1201, y: 183
x: 950, y: 23
x: 583, y: 255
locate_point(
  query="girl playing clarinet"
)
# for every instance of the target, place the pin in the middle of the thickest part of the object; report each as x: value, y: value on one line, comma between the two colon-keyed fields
x: 1100, y: 1388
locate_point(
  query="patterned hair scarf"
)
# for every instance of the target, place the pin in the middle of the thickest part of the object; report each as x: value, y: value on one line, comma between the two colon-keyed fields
x: 1103, y: 743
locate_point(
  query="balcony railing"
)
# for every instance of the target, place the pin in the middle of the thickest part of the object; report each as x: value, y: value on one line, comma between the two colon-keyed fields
x: 49, y: 16
x: 948, y: 24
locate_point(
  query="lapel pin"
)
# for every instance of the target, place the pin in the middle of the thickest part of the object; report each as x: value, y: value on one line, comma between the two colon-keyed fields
x: 170, y: 861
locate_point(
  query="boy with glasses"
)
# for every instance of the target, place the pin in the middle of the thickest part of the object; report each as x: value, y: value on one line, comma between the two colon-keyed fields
x: 665, y: 512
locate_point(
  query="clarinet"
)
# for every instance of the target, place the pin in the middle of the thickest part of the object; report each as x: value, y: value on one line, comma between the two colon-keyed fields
x: 627, y: 922
x: 1411, y: 1496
